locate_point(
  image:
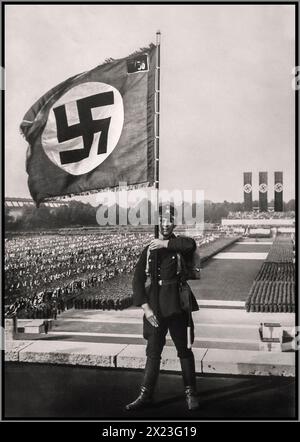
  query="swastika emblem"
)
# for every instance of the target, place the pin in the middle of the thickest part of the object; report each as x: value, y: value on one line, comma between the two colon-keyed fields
x: 247, y: 188
x: 263, y: 188
x: 84, y: 127
x: 278, y: 187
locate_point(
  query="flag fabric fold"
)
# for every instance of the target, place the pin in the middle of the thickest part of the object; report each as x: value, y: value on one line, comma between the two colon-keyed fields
x: 94, y: 130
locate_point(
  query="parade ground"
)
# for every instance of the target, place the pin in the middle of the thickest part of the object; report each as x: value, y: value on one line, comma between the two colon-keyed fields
x: 221, y: 323
x: 227, y: 343
x: 229, y: 275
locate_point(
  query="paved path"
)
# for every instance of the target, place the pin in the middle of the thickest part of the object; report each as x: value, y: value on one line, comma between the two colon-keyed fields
x: 230, y: 274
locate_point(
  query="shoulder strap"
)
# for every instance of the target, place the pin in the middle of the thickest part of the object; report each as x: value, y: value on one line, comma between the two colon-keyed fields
x: 147, y: 262
x: 179, y: 264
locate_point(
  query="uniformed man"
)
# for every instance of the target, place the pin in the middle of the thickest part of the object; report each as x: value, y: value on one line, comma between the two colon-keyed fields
x: 167, y: 315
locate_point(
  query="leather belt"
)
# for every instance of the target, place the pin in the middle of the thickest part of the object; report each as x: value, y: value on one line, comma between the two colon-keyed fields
x: 167, y: 281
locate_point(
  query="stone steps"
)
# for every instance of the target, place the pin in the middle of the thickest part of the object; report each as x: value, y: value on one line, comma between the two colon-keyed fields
x: 208, y: 361
x: 228, y: 328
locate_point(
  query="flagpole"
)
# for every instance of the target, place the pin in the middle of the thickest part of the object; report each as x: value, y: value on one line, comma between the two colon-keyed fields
x: 156, y: 126
x: 156, y: 162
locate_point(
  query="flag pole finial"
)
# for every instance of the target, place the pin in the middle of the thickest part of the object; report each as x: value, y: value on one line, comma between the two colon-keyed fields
x: 158, y: 34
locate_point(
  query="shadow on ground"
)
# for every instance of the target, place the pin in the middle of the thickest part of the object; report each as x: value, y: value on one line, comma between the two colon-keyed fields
x: 51, y: 391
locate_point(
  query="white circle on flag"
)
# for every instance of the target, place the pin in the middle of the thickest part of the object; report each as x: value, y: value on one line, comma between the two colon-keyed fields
x: 278, y: 187
x: 87, y: 112
x: 247, y: 188
x: 263, y: 187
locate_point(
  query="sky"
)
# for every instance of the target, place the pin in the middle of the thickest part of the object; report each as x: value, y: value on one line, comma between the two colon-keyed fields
x: 227, y: 103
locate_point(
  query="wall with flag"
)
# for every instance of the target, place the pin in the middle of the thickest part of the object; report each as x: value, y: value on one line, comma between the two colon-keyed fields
x: 94, y: 130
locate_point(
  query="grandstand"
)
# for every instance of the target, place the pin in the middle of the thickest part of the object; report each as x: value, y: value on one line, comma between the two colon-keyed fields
x: 16, y: 202
x: 269, y: 222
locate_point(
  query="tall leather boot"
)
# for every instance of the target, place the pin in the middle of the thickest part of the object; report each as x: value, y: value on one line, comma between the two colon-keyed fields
x: 144, y: 399
x: 189, y: 380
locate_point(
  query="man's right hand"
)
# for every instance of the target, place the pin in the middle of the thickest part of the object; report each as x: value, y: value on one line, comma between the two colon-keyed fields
x: 149, y: 315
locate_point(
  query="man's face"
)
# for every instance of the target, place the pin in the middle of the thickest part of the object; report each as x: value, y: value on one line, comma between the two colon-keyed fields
x: 166, y: 226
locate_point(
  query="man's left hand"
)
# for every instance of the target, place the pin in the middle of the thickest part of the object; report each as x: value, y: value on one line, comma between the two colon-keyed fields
x: 158, y: 244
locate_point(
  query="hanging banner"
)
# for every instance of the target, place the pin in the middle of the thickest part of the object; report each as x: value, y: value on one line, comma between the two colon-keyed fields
x: 263, y: 191
x: 94, y: 130
x: 248, y: 205
x: 278, y: 191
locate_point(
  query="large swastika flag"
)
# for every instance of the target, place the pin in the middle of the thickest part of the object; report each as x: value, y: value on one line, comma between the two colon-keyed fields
x: 94, y: 130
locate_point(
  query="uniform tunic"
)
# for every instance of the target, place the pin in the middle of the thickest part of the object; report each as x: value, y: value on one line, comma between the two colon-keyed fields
x: 168, y: 295
x: 170, y: 316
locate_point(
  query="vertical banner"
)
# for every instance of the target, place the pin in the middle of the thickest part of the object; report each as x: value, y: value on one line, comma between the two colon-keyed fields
x: 263, y: 191
x: 278, y: 191
x: 248, y: 207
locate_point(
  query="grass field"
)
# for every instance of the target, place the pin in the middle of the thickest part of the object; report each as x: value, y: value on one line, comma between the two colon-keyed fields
x: 228, y: 280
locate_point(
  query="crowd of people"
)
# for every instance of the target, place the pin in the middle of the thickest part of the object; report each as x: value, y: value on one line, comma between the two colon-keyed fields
x: 273, y: 289
x: 203, y: 240
x: 261, y: 215
x: 45, y: 273
x: 53, y: 267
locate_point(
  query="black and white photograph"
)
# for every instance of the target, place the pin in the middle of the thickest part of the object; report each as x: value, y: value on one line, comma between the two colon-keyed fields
x: 149, y: 214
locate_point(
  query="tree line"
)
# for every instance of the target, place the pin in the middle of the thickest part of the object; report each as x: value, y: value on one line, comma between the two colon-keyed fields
x: 79, y: 214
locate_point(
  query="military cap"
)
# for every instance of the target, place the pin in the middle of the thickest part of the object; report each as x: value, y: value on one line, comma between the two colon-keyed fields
x: 167, y: 210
